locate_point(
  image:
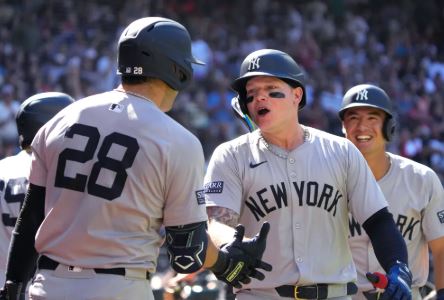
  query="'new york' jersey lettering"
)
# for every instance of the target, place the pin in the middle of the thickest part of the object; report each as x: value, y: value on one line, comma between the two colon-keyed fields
x: 306, y: 198
x: 267, y: 200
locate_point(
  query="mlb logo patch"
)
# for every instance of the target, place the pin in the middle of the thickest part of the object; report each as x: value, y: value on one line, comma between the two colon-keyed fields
x: 115, y: 107
x: 441, y: 216
x: 200, y: 197
x: 215, y: 187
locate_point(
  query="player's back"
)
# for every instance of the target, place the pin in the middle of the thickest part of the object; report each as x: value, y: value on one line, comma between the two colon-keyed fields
x: 109, y: 161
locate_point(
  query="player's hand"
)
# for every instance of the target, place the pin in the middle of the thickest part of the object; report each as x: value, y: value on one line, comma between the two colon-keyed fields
x: 11, y: 290
x: 240, y: 260
x: 398, y: 284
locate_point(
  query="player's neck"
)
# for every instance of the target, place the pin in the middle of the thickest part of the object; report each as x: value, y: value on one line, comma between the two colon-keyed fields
x: 379, y: 163
x: 150, y: 92
x: 286, y: 139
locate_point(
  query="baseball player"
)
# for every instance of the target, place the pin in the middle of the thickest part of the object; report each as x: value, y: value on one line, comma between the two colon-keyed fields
x: 108, y: 172
x: 33, y: 113
x: 304, y: 182
x: 413, y: 192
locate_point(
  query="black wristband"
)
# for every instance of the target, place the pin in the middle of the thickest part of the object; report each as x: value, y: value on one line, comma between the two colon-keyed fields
x: 440, y: 292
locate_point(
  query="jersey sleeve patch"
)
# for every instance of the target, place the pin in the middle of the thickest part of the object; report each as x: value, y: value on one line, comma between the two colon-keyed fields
x: 214, y: 187
x: 200, y: 197
x: 441, y: 216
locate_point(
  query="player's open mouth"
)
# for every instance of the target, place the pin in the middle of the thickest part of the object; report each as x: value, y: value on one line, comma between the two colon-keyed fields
x: 363, y: 138
x: 262, y: 111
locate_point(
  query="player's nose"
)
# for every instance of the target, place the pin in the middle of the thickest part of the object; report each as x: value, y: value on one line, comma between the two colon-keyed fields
x: 361, y: 124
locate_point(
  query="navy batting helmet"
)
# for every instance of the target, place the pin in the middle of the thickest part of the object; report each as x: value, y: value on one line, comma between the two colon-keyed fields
x: 35, y: 111
x: 371, y: 96
x: 268, y: 62
x: 157, y: 47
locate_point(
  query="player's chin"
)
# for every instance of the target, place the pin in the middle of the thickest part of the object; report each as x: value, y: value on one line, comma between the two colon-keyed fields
x: 363, y: 146
x: 263, y: 120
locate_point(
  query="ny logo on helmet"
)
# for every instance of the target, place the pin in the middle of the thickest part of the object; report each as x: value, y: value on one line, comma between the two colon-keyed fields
x: 254, y: 63
x: 362, y: 95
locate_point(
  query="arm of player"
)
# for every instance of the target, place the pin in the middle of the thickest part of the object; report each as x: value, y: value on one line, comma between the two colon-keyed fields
x: 437, y: 248
x: 22, y: 254
x: 222, y: 222
x: 386, y: 239
x: 391, y: 252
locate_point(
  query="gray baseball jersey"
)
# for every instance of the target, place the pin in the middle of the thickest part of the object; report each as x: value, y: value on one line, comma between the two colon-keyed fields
x: 14, y: 173
x: 305, y: 194
x: 416, y: 199
x: 115, y: 168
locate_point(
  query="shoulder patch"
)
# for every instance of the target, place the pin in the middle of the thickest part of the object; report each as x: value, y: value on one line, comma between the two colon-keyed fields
x: 115, y: 107
x: 214, y: 187
x: 200, y: 197
x: 441, y: 216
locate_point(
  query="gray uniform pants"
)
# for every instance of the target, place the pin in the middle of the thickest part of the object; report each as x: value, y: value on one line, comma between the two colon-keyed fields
x: 87, y: 285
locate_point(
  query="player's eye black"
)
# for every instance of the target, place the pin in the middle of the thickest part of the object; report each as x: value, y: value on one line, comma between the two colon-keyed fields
x: 270, y: 94
x: 276, y: 95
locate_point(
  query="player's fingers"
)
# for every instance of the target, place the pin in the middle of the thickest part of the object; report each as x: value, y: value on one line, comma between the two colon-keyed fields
x: 263, y: 265
x: 244, y: 279
x: 397, y: 295
x: 236, y: 284
x: 239, y: 234
x: 403, y: 294
x: 390, y: 293
x: 257, y: 274
x: 264, y: 232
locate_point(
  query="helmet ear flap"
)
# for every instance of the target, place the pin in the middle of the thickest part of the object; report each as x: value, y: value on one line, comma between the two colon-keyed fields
x: 388, y: 128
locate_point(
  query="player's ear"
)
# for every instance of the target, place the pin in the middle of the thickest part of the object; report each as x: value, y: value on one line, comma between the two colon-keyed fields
x: 343, y: 130
x: 299, y: 92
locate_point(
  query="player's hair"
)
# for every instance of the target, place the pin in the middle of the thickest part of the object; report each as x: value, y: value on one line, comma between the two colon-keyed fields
x: 132, y: 80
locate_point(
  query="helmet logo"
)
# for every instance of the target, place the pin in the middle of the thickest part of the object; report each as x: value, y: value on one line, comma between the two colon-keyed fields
x: 254, y: 63
x: 362, y: 95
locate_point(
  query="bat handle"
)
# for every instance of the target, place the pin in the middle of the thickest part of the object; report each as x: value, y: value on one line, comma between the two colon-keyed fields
x: 378, y: 280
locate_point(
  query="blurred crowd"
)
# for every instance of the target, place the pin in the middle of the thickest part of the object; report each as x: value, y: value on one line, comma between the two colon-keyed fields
x: 70, y: 46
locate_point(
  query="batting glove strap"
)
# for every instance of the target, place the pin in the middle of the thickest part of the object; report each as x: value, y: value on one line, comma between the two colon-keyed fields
x: 231, y: 266
x: 399, y: 283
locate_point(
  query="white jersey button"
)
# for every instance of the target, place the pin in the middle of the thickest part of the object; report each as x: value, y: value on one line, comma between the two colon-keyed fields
x: 297, y: 225
x: 291, y: 160
x: 292, y: 175
x: 299, y: 259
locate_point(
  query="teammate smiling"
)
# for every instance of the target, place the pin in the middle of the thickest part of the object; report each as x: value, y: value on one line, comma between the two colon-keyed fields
x: 413, y: 191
